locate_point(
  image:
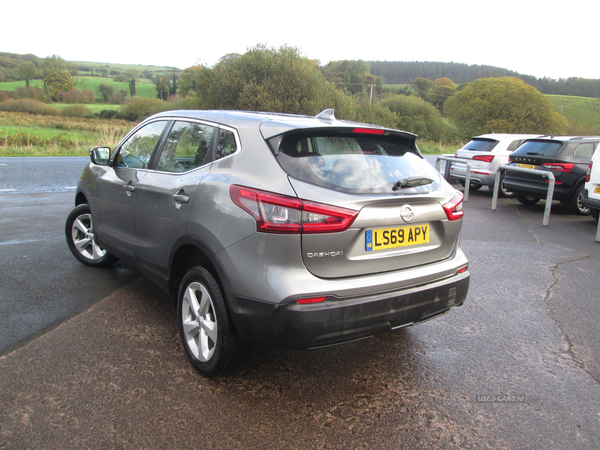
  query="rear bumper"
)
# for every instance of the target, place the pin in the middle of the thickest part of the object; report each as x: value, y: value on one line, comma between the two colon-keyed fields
x: 536, y: 189
x: 589, y: 202
x: 485, y: 177
x: 336, y: 320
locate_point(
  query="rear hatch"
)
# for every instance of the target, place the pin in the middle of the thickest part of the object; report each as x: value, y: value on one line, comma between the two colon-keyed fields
x: 539, y: 154
x: 380, y: 177
x: 479, y: 151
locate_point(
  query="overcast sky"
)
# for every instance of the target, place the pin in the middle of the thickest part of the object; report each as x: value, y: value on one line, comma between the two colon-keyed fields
x: 526, y: 36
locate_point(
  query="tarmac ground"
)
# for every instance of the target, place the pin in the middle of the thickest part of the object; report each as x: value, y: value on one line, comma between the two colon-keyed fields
x: 517, y: 367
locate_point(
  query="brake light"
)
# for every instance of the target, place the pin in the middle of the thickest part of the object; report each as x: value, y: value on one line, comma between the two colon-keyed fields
x: 559, y: 167
x: 589, y: 173
x: 276, y: 213
x: 510, y: 159
x: 486, y: 158
x: 368, y: 131
x: 454, y: 208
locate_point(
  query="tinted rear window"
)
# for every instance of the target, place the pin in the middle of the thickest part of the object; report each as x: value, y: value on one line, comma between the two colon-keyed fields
x: 480, y: 145
x: 353, y: 163
x: 544, y: 148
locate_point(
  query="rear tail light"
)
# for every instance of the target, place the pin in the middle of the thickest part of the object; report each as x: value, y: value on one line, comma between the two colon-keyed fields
x: 589, y: 173
x: 510, y: 159
x: 559, y: 167
x: 454, y: 208
x: 486, y: 158
x: 276, y: 213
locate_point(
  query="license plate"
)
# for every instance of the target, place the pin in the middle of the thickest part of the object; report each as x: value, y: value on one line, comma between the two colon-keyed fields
x: 396, y: 237
x: 526, y: 166
x: 597, y: 190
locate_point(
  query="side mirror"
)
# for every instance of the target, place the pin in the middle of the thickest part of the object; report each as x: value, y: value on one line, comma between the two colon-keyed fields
x: 100, y: 155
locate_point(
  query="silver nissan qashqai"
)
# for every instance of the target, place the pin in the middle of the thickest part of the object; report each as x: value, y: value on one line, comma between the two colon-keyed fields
x: 290, y: 230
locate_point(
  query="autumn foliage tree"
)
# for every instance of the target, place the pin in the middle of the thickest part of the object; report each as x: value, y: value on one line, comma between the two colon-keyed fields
x: 58, y: 81
x: 503, y: 105
x: 265, y: 79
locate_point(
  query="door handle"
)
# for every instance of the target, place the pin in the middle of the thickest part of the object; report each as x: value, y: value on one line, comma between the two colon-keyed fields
x: 129, y: 188
x: 179, y: 199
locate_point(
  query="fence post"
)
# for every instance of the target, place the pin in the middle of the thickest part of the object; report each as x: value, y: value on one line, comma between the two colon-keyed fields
x: 438, y: 166
x: 544, y: 173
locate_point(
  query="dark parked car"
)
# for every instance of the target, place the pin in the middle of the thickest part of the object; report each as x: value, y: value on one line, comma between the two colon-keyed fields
x: 290, y: 230
x: 568, y: 159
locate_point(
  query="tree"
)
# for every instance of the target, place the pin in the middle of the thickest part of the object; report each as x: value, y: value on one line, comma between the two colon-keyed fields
x: 418, y: 116
x: 105, y: 92
x: 173, y: 87
x: 350, y: 74
x: 438, y: 96
x: 58, y: 81
x: 132, y: 75
x: 447, y: 82
x: 27, y: 71
x: 503, y: 105
x: 162, y: 87
x: 423, y: 86
x: 53, y: 64
x: 267, y: 79
x: 190, y: 80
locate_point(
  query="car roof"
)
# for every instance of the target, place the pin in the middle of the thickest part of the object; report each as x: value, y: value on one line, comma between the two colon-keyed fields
x: 570, y: 138
x: 503, y: 136
x: 271, y: 124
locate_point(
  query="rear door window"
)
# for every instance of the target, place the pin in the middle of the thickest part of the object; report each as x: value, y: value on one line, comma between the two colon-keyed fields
x: 186, y: 147
x: 354, y: 163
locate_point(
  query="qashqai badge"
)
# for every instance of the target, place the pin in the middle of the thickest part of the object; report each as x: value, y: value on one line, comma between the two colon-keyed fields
x: 407, y: 213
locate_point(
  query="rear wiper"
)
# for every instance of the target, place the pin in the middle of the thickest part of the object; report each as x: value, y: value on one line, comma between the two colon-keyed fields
x: 411, y: 182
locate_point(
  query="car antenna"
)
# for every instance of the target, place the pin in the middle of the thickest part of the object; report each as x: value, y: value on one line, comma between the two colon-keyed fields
x: 326, y: 114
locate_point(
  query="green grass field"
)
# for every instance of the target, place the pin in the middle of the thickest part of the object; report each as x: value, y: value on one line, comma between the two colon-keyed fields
x: 581, y: 110
x: 24, y: 134
x: 122, y: 67
x: 144, y: 87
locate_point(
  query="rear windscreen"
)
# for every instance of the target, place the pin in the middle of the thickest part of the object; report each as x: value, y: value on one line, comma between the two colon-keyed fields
x: 545, y: 148
x: 355, y: 163
x: 480, y: 145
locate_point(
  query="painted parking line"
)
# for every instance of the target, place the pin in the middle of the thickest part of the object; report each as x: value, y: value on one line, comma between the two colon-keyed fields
x: 7, y: 190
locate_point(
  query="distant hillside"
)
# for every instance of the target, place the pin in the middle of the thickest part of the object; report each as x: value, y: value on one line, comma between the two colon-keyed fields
x: 402, y: 72
x: 9, y: 63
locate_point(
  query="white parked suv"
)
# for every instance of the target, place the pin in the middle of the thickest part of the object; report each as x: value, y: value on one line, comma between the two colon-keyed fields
x: 487, y: 152
x: 590, y: 196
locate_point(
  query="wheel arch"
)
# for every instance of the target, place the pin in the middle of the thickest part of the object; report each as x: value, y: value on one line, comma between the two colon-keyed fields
x: 80, y: 198
x: 190, y: 252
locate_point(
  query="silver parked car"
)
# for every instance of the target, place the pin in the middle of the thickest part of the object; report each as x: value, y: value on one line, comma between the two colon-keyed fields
x: 487, y: 152
x: 291, y: 230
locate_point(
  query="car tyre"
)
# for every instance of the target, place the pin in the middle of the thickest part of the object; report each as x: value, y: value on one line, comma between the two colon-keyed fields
x: 595, y: 213
x: 79, y: 231
x: 503, y: 192
x: 473, y: 186
x: 205, y: 328
x: 575, y: 206
x: 527, y: 200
